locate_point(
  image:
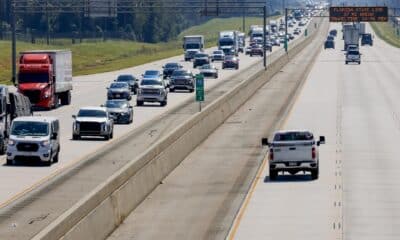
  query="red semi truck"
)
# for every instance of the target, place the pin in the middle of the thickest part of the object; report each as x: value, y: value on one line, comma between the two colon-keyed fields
x: 45, y: 77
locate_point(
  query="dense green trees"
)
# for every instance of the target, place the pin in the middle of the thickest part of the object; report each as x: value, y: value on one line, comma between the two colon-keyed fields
x: 151, y: 25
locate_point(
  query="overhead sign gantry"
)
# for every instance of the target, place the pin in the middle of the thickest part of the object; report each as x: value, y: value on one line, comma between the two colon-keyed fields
x: 358, y: 14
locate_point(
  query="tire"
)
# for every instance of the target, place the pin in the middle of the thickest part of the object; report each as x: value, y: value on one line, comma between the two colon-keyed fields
x: 139, y: 103
x: 9, y: 162
x: 3, y: 147
x: 347, y: 62
x: 47, y: 163
x: 112, y: 134
x: 273, y: 174
x: 107, y: 137
x: 315, y: 174
x: 66, y: 98
x: 359, y: 63
x: 55, y: 158
x: 251, y: 55
x: 191, y: 90
x: 163, y: 103
x: 172, y: 89
x: 216, y: 76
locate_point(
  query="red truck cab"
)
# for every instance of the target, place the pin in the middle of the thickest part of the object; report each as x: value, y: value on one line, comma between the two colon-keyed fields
x: 35, y: 79
x: 45, y: 77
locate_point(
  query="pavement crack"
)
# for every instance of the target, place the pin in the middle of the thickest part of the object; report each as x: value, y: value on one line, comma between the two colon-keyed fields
x: 38, y: 219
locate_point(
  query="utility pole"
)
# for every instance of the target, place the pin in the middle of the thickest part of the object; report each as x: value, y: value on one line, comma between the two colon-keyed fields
x: 286, y: 30
x: 13, y: 44
x: 264, y: 34
x: 48, y: 23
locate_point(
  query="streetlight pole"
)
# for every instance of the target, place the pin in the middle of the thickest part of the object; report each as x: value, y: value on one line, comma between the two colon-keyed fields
x: 286, y: 30
x: 13, y: 44
x: 264, y: 35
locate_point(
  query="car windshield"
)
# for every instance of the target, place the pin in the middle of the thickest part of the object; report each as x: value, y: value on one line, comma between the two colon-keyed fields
x: 201, y: 55
x: 180, y: 73
x: 146, y: 82
x: 119, y: 85
x: 171, y: 65
x: 353, y: 53
x: 91, y: 113
x: 229, y: 58
x: 293, y: 136
x: 151, y: 73
x: 206, y: 66
x: 116, y: 104
x: 217, y: 52
x: 30, y: 128
x: 125, y: 78
x: 33, y: 78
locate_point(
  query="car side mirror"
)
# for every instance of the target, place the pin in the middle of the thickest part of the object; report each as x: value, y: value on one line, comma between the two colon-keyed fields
x: 74, y: 116
x: 264, y: 142
x: 321, y: 140
x: 54, y: 136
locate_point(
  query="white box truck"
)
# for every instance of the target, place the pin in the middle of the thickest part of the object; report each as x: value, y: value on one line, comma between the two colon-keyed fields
x: 192, y: 45
x: 350, y: 35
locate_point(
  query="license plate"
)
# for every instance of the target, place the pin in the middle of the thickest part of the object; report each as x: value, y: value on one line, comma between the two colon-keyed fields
x: 292, y: 164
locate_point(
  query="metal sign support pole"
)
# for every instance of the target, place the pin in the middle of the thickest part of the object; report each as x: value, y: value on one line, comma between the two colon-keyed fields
x: 264, y: 36
x: 13, y: 45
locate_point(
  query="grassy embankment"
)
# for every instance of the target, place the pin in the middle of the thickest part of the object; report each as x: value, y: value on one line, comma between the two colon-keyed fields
x: 387, y: 32
x: 113, y: 55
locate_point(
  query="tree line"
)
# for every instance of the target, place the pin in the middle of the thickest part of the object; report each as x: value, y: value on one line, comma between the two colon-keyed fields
x: 153, y: 25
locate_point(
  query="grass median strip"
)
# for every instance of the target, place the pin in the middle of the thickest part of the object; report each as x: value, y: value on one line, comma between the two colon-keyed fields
x: 387, y: 32
x: 95, y: 57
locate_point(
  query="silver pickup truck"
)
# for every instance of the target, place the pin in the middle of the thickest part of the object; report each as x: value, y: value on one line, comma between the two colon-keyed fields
x: 293, y: 151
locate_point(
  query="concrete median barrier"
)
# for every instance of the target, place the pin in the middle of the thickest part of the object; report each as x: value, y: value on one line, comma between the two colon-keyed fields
x: 102, y: 210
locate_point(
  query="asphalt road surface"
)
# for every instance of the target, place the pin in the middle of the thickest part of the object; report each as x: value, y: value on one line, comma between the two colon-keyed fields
x: 358, y: 193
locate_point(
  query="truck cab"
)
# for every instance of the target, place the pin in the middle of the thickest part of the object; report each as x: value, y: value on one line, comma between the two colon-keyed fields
x: 45, y: 77
x: 293, y: 151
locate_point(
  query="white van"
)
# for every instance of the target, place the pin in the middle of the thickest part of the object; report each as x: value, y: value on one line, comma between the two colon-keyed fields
x: 34, y: 138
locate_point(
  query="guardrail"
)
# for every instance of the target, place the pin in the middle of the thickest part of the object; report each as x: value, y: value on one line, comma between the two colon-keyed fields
x: 101, y: 211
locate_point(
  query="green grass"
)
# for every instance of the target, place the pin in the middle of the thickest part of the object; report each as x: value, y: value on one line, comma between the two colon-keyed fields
x: 89, y: 57
x: 387, y: 32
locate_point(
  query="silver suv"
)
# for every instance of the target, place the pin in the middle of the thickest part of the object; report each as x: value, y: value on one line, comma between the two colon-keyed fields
x: 93, y: 122
x: 353, y: 56
x: 152, y: 90
x: 34, y: 138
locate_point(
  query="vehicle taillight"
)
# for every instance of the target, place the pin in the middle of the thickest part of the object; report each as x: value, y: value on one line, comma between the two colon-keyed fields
x: 271, y: 155
x: 313, y: 153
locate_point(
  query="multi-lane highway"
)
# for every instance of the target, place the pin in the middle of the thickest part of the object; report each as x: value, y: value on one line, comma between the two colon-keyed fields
x: 356, y: 107
x: 91, y: 91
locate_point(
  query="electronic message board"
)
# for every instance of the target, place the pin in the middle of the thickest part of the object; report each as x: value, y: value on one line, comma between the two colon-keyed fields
x: 358, y: 14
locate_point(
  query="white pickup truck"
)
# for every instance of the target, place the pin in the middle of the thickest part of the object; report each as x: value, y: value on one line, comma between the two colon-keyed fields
x: 293, y: 151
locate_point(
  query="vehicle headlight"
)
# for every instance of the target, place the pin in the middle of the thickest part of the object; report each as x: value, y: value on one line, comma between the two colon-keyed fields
x: 76, y: 126
x: 103, y: 126
x: 139, y: 91
x: 45, y: 143
x: 11, y: 142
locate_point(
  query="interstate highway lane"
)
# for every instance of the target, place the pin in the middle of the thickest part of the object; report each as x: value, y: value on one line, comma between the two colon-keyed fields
x: 358, y: 193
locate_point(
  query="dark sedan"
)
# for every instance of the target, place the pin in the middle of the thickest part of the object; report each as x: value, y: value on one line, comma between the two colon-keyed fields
x: 131, y: 80
x: 256, y: 50
x: 120, y: 110
x: 169, y: 68
x: 230, y: 62
x: 119, y: 90
x: 183, y: 80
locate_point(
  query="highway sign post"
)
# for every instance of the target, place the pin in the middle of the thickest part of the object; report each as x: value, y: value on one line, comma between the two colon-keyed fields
x: 200, y: 89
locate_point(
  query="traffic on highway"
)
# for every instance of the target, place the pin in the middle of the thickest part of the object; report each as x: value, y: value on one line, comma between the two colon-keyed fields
x: 213, y: 143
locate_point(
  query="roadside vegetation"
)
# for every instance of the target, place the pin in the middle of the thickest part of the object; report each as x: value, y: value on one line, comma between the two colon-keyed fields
x: 95, y: 57
x: 387, y: 32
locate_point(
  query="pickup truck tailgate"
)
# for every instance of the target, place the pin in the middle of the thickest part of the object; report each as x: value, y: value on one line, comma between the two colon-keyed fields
x: 292, y: 151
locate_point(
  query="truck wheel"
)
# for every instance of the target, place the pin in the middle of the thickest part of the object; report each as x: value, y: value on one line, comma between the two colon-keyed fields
x: 3, y: 147
x: 47, y: 163
x: 112, y: 134
x: 66, y: 98
x: 9, y: 162
x: 139, y: 103
x: 191, y: 90
x: 273, y: 174
x: 76, y: 137
x: 163, y: 103
x: 172, y: 89
x: 55, y: 103
x: 347, y: 62
x: 315, y: 173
